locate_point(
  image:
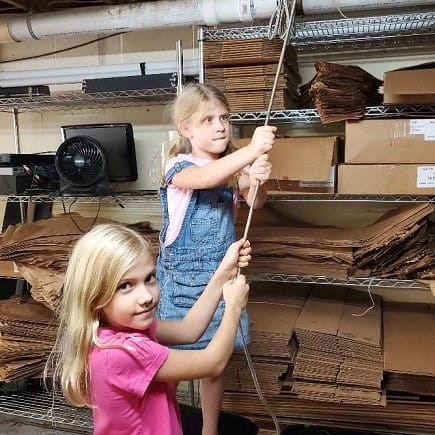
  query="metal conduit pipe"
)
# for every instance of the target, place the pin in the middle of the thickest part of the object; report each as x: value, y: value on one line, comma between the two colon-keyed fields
x: 168, y: 13
x: 136, y: 16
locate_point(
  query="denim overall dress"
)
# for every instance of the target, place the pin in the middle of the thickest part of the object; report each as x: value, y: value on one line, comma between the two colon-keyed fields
x: 185, y: 267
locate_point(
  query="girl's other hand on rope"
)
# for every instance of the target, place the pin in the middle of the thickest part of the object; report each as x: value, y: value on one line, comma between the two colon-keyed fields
x: 238, y: 255
x: 260, y: 170
x: 236, y: 293
x: 262, y: 140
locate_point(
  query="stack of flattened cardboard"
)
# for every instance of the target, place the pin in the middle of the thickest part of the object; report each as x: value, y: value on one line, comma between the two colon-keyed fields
x: 409, y: 355
x: 272, y: 315
x: 395, y: 418
x: 341, y: 92
x: 339, y: 352
x: 340, y: 253
x: 28, y: 330
x: 245, y: 71
x: 41, y: 250
x: 335, y: 321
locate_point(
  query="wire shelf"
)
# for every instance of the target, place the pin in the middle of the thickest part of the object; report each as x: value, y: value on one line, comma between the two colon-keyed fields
x: 359, y: 282
x: 147, y: 196
x: 151, y: 198
x: 349, y: 198
x: 88, y: 101
x: 309, y: 116
x: 365, y: 32
x: 44, y: 408
x: 369, y: 32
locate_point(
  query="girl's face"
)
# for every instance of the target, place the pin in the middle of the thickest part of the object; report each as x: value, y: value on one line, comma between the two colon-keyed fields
x: 135, y: 300
x: 209, y: 132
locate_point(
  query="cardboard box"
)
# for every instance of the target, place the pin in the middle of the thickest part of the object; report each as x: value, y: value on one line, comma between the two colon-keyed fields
x: 386, y: 180
x: 413, y: 85
x: 9, y: 270
x: 301, y: 164
x: 390, y: 141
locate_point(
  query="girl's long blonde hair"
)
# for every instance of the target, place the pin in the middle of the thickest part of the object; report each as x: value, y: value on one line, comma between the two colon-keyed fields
x: 190, y: 103
x: 98, y: 261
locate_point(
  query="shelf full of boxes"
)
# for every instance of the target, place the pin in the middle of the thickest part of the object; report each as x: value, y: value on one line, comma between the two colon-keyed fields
x: 384, y: 157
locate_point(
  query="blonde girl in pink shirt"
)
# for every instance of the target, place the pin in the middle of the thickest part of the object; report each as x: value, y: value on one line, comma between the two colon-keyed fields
x: 111, y: 353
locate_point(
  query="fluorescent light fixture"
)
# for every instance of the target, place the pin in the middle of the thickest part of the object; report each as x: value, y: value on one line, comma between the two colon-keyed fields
x: 68, y: 75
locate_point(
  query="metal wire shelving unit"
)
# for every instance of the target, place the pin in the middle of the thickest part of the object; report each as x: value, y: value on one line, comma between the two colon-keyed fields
x: 143, y: 196
x: 352, y: 281
x: 42, y: 407
x: 349, y: 198
x: 362, y: 33
x: 311, y: 116
x: 323, y: 36
x: 112, y: 99
x: 152, y: 197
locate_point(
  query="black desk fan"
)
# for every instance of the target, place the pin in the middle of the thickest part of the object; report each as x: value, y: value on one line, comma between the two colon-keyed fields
x: 81, y: 163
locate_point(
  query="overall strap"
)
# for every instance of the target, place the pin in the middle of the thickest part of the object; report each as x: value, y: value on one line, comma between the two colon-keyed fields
x: 179, y: 166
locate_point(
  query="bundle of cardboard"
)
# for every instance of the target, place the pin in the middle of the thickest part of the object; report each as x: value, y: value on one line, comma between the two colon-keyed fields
x: 245, y: 71
x: 341, y: 92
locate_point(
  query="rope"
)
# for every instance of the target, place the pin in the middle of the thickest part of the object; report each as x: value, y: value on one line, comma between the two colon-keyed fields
x: 282, y: 24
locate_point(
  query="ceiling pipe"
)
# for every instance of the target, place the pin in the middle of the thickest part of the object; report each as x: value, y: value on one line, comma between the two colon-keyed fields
x: 169, y: 13
x: 136, y: 16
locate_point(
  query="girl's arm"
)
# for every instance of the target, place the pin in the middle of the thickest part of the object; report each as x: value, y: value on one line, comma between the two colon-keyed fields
x: 219, y: 171
x: 197, y: 319
x: 211, y: 361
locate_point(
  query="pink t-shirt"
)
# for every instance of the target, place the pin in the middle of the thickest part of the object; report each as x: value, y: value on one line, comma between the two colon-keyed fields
x: 126, y: 399
x: 178, y: 199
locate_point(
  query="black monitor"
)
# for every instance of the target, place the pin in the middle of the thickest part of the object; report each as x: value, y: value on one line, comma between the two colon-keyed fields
x: 117, y: 141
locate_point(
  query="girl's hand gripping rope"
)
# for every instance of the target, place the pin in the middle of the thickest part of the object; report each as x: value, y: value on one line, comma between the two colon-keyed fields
x: 236, y: 293
x: 238, y: 255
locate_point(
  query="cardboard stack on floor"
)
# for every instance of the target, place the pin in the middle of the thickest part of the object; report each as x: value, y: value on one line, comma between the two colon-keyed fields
x: 245, y: 70
x: 336, y: 361
x: 272, y: 314
x: 409, y: 331
x: 338, y: 352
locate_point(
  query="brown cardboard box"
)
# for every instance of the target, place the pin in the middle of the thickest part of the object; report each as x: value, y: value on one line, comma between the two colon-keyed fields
x: 415, y: 85
x: 301, y: 164
x: 390, y: 141
x: 386, y: 179
x: 9, y: 270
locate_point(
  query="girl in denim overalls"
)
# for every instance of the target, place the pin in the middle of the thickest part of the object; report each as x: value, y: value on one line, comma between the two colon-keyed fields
x: 202, y: 182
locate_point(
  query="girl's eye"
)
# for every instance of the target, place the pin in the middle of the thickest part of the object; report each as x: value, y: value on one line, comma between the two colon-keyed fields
x: 225, y: 117
x: 124, y: 286
x: 150, y: 279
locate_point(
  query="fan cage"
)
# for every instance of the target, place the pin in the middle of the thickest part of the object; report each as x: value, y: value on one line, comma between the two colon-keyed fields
x: 81, y: 161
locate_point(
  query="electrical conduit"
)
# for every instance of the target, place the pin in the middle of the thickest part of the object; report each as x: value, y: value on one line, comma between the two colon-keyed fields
x: 167, y: 13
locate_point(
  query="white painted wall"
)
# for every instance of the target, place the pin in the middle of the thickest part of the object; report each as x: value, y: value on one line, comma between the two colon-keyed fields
x: 40, y: 131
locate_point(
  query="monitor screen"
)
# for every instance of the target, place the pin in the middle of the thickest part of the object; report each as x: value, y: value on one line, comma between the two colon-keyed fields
x: 118, y: 143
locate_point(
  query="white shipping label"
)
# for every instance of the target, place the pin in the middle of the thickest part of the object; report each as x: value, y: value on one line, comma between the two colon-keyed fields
x: 425, y: 177
x: 426, y: 127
